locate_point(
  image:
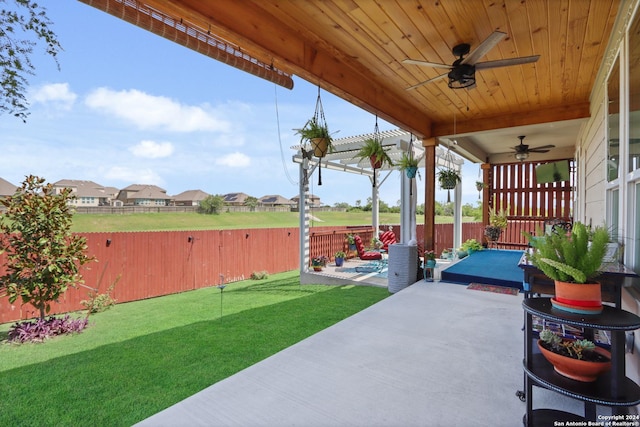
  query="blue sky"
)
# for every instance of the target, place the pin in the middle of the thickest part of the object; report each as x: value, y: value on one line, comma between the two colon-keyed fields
x: 129, y: 107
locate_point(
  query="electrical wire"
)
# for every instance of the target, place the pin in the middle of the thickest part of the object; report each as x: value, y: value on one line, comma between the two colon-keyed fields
x: 284, y: 164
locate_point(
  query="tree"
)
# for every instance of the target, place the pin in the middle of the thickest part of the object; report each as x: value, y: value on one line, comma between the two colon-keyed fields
x: 43, y: 255
x: 252, y: 202
x: 18, y: 27
x: 211, y: 205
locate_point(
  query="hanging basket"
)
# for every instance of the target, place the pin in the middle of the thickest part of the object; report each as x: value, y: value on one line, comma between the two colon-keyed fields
x: 411, y: 172
x: 448, y: 180
x: 320, y: 146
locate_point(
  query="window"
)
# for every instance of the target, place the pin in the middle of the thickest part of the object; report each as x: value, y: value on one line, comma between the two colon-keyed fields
x: 613, y: 122
x: 634, y: 94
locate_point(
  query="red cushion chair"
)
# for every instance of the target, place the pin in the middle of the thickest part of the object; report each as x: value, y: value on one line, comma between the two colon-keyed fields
x: 387, y: 238
x: 365, y: 255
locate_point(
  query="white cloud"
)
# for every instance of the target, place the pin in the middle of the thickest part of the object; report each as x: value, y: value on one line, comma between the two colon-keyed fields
x: 134, y: 176
x: 55, y: 93
x: 234, y: 160
x: 155, y: 112
x: 152, y: 149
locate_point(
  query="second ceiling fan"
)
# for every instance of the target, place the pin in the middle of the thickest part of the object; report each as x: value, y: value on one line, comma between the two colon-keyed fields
x: 462, y: 73
x: 522, y: 150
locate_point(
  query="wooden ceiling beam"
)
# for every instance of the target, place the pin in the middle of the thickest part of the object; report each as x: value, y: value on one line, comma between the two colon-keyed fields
x: 254, y: 27
x: 544, y: 115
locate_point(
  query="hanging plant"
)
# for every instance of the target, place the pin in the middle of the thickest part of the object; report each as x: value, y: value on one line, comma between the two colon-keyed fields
x: 479, y: 187
x: 316, y: 132
x: 409, y: 164
x: 448, y: 179
x: 373, y: 150
x: 318, y: 135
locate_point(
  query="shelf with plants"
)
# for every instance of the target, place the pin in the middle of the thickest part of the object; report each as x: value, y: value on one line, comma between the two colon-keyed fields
x: 611, y: 388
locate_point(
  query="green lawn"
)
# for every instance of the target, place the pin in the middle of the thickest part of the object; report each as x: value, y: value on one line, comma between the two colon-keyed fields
x: 194, y: 221
x: 141, y: 357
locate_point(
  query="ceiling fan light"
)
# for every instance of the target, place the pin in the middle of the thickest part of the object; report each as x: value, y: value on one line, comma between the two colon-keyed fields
x: 522, y: 156
x: 462, y: 76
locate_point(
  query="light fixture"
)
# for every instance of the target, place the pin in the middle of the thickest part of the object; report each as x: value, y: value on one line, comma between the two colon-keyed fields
x: 462, y: 76
x: 522, y: 156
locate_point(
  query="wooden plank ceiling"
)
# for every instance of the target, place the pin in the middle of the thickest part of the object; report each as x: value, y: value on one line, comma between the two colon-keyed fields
x: 356, y: 48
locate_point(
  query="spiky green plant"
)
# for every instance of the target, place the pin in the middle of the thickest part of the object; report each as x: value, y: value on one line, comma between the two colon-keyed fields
x: 570, y: 257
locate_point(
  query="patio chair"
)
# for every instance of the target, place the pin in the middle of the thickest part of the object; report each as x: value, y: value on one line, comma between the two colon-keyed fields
x: 366, y: 255
x: 387, y: 238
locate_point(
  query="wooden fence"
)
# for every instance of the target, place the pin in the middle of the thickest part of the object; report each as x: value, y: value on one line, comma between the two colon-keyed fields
x: 151, y: 264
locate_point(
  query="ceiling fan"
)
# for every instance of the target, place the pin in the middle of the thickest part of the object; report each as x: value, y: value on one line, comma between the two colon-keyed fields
x: 523, y: 150
x: 462, y: 73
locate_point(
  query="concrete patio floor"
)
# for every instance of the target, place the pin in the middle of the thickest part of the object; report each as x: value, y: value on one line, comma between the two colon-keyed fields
x: 433, y: 354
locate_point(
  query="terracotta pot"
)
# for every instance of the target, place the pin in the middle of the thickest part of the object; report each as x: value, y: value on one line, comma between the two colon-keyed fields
x: 580, y: 298
x: 579, y: 370
x: 320, y: 146
x: 375, y: 162
x: 317, y: 268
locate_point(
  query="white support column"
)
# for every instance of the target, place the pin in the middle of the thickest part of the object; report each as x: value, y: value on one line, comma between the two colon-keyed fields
x: 375, y: 205
x: 304, y: 216
x: 457, y: 216
x: 407, y: 209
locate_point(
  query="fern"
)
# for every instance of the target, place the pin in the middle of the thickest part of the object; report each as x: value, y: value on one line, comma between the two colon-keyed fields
x: 574, y: 257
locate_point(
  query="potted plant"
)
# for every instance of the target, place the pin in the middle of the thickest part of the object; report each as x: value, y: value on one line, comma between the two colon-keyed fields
x: 318, y: 135
x: 579, y: 360
x: 470, y: 246
x: 430, y: 258
x: 373, y: 150
x: 319, y: 262
x: 339, y: 257
x: 572, y: 260
x: 446, y: 254
x: 497, y: 223
x: 409, y: 164
x: 351, y: 241
x: 448, y: 178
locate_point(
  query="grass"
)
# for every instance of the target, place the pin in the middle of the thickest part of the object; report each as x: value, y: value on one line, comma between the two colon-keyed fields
x: 225, y: 220
x: 141, y: 357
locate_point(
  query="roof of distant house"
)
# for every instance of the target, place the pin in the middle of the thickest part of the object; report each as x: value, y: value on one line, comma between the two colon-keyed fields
x: 7, y: 188
x: 235, y: 197
x: 150, y: 192
x: 82, y: 188
x: 190, y: 195
x: 275, y: 199
x: 138, y: 187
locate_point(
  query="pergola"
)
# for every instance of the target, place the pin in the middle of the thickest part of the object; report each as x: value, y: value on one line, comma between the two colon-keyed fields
x: 344, y: 158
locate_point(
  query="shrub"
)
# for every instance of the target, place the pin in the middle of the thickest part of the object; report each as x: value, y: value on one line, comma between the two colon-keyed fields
x: 99, y: 302
x: 259, y: 275
x: 40, y: 329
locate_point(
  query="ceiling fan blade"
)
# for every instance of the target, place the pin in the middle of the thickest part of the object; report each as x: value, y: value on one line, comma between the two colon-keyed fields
x: 427, y: 81
x: 484, y: 47
x: 426, y: 63
x: 541, y: 149
x: 506, y: 62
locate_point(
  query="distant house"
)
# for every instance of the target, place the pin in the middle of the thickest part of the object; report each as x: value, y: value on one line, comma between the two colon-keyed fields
x: 235, y: 199
x: 314, y: 201
x: 275, y: 200
x: 144, y: 195
x: 7, y: 188
x: 190, y: 198
x: 88, y: 193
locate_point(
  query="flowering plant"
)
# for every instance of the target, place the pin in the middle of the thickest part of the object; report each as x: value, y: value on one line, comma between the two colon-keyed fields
x: 320, y: 261
x: 430, y: 255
